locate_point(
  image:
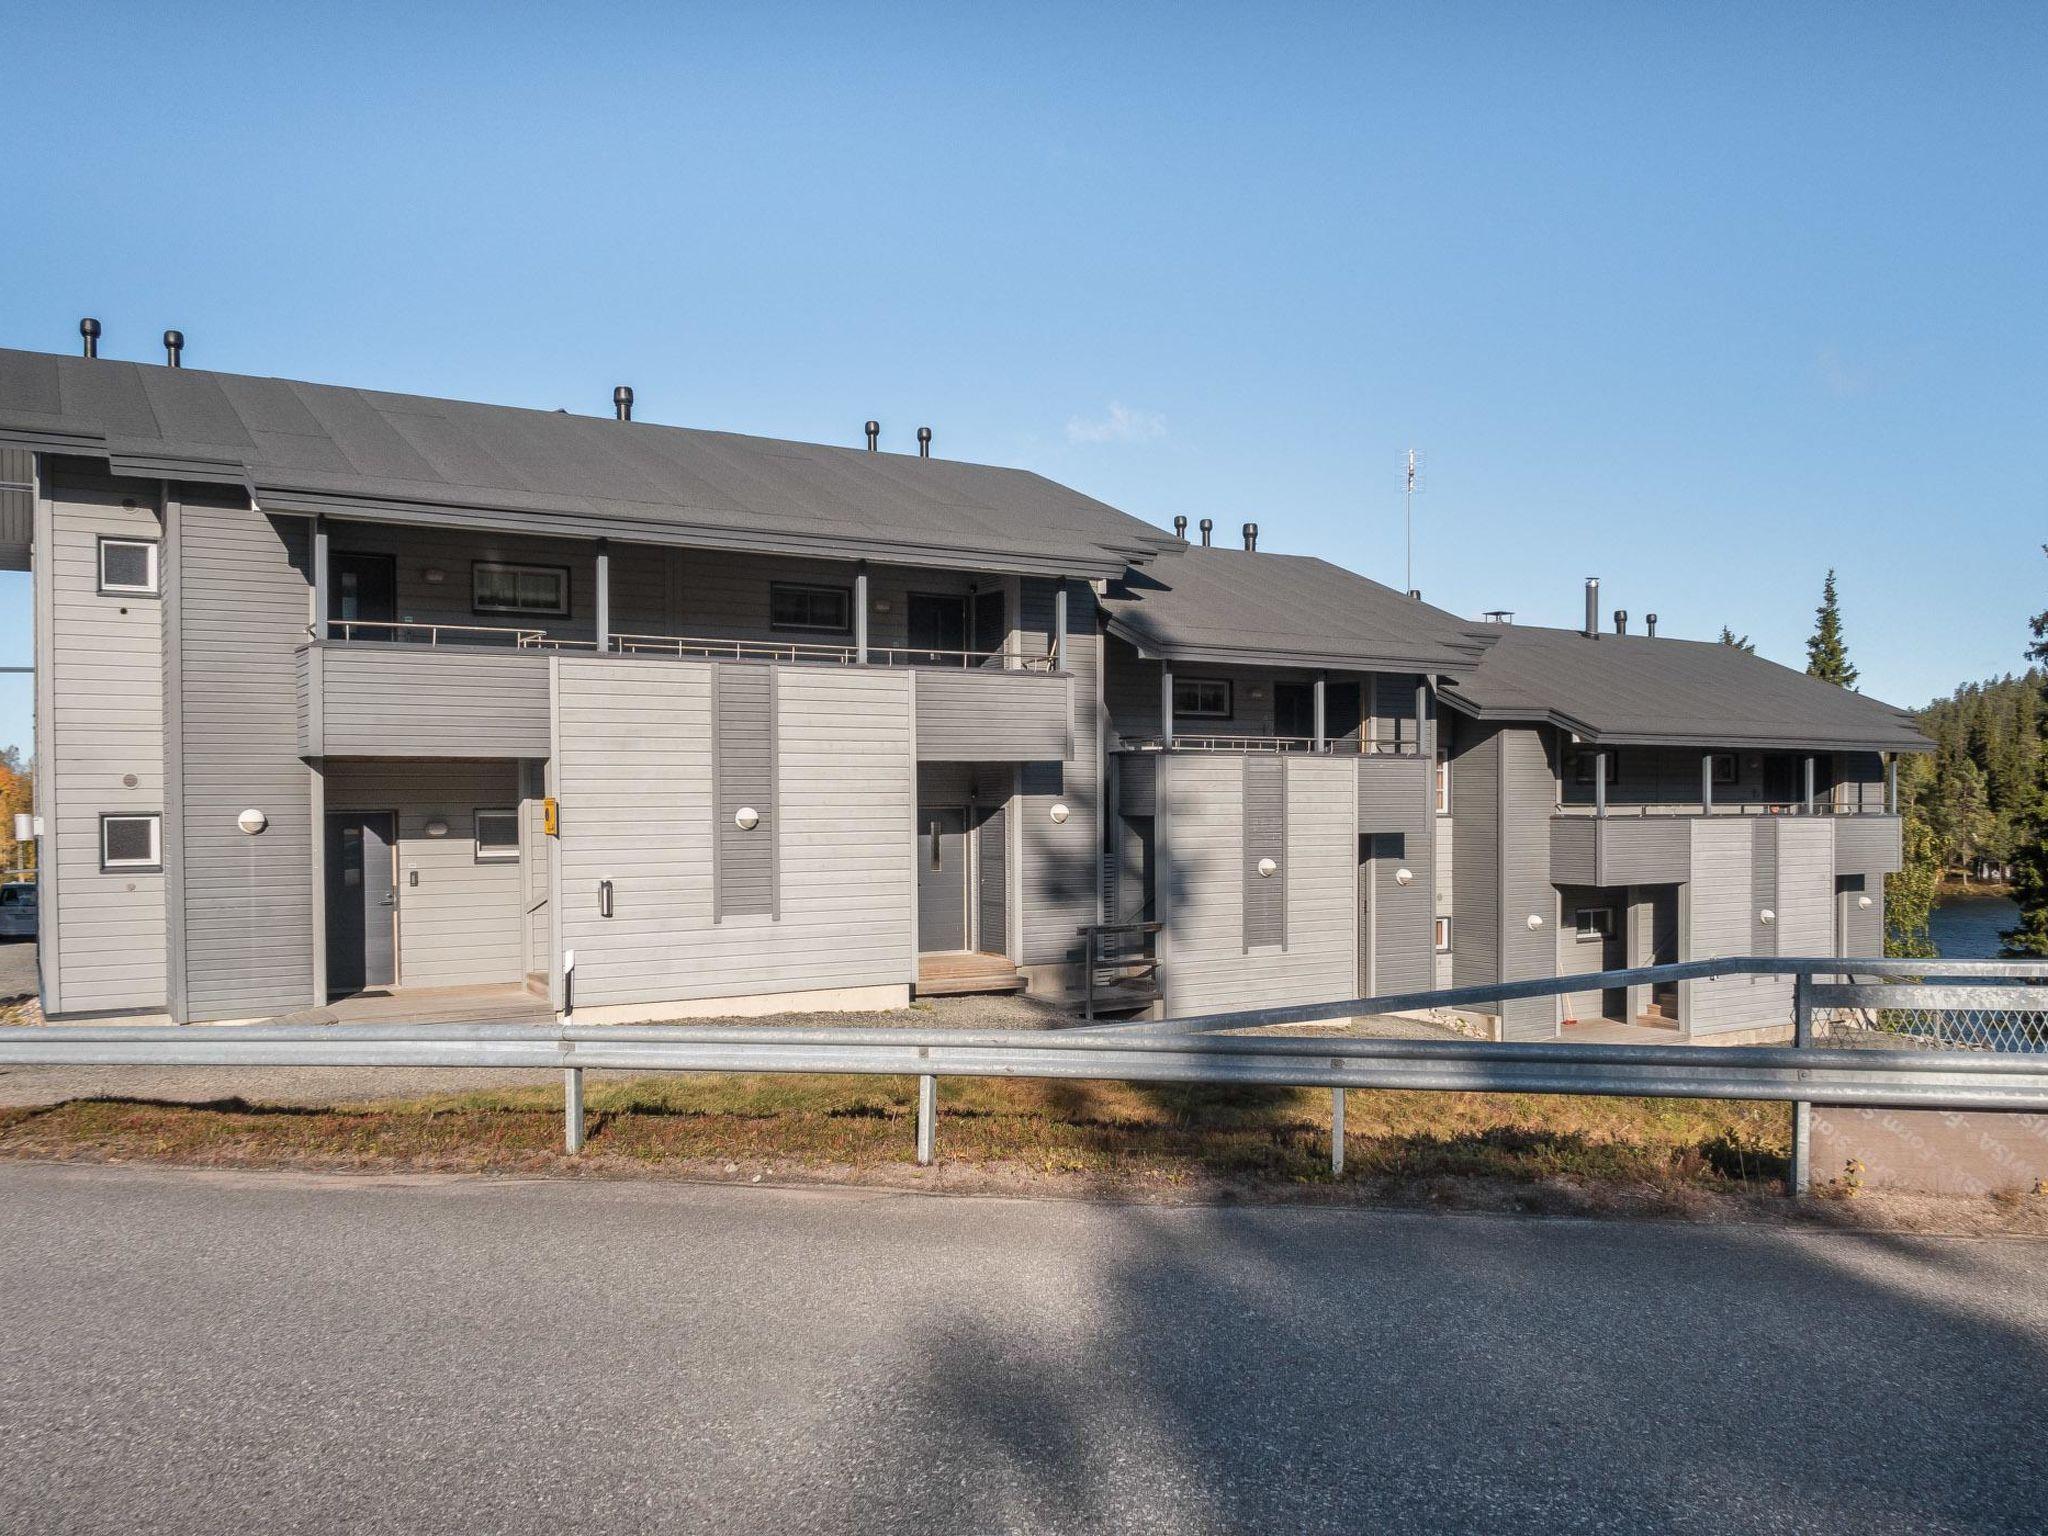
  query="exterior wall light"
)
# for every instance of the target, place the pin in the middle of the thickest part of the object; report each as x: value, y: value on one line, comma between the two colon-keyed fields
x: 1404, y: 877
x: 1535, y: 920
x: 1266, y: 868
x: 1060, y: 812
x: 746, y: 818
x: 437, y: 828
x: 433, y: 576
x: 252, y: 821
x: 1767, y: 917
x: 1863, y: 902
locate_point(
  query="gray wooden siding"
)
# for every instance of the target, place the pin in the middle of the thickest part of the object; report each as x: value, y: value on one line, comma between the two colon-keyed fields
x: 1475, y: 849
x: 744, y: 732
x: 106, y: 675
x: 1137, y: 782
x: 17, y: 508
x: 1393, y: 710
x: 1263, y: 800
x: 1398, y: 824
x: 636, y: 790
x: 1619, y: 850
x: 1528, y: 790
x: 992, y: 878
x: 452, y: 552
x: 1444, y: 847
x: 993, y: 717
x: 1867, y: 845
x: 1201, y: 886
x: 1576, y: 956
x: 248, y: 908
x: 1763, y: 887
x: 1721, y: 921
x: 536, y: 855
x: 1132, y: 693
x: 410, y: 701
x: 462, y: 923
x: 1805, y: 895
x: 1059, y: 878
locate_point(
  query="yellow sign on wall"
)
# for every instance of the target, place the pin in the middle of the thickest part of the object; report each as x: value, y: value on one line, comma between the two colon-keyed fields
x: 550, y: 817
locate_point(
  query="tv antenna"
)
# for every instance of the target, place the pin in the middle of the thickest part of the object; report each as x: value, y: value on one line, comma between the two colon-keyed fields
x: 1414, y: 485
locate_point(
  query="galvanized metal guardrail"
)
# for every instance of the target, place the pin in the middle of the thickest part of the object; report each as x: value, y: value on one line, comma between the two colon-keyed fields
x: 1206, y: 1049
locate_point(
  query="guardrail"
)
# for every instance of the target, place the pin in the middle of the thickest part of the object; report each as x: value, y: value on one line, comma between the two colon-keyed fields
x: 1206, y: 1049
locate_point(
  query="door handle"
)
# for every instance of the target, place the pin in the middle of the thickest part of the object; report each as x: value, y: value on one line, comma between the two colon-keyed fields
x: 604, y: 898
x: 935, y: 846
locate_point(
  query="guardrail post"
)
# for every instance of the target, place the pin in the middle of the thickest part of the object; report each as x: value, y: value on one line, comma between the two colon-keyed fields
x: 1800, y: 1180
x: 1337, y: 1132
x: 927, y: 1114
x: 572, y: 1108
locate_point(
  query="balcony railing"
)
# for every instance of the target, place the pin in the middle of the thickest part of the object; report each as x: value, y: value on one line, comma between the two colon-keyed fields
x: 406, y: 632
x: 1616, y: 811
x: 1192, y: 741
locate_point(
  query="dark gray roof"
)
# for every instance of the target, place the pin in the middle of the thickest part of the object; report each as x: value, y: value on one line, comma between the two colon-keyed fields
x: 1631, y: 688
x: 1228, y: 605
x: 321, y: 448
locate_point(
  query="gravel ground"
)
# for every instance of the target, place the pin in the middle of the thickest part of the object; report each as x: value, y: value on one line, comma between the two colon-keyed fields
x: 17, y: 969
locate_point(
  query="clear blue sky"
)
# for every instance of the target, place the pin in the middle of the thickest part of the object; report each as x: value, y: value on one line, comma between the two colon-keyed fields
x: 1700, y: 299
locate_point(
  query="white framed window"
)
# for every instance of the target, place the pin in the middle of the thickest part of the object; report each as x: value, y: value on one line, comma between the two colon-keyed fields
x: 1593, y: 923
x: 801, y: 608
x: 1201, y: 698
x: 499, y: 587
x: 1443, y: 934
x: 131, y: 843
x: 128, y: 567
x: 497, y: 837
x: 1443, y: 782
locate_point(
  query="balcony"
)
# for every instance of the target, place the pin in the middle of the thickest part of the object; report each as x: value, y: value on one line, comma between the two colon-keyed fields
x: 1652, y: 845
x: 1197, y: 741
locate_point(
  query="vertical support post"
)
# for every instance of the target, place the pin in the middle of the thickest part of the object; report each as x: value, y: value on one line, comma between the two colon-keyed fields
x: 1891, y: 785
x: 1707, y: 783
x: 1600, y: 781
x: 572, y: 1108
x: 860, y: 612
x: 320, y: 614
x: 1059, y: 625
x: 1322, y: 730
x: 1337, y: 1132
x: 604, y: 596
x: 927, y: 1115
x: 1801, y: 1179
x: 1809, y: 784
x: 1165, y: 704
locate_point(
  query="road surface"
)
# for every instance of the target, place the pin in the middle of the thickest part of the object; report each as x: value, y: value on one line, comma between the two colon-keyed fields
x: 193, y: 1352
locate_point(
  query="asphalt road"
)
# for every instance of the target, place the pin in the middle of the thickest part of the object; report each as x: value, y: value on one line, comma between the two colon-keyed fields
x: 188, y: 1352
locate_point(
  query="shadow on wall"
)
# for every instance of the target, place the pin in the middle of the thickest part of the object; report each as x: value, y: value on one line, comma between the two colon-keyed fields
x: 1245, y: 1370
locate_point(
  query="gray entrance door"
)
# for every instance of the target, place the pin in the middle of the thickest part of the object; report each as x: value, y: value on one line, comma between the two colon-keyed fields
x: 942, y: 879
x: 362, y: 901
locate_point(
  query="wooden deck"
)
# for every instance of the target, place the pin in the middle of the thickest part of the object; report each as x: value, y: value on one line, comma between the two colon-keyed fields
x: 510, y: 1003
x: 957, y: 973
x: 1648, y: 1030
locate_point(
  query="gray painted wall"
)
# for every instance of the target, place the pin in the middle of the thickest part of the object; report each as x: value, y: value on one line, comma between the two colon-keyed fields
x: 1059, y: 863
x: 994, y: 717
x: 17, y: 508
x: 744, y: 730
x: 1263, y: 835
x: 412, y: 701
x: 1395, y: 811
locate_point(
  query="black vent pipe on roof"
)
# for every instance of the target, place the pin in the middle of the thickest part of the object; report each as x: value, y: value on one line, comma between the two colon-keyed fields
x: 874, y: 432
x: 174, y: 349
x: 1650, y: 624
x: 1180, y: 527
x: 1621, y: 621
x: 1251, y: 536
x: 1416, y: 593
x: 89, y: 328
x: 1208, y: 527
x: 622, y: 402
x: 924, y: 442
x: 1592, y: 630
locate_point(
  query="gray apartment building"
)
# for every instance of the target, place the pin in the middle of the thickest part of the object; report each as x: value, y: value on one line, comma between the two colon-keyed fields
x: 342, y: 692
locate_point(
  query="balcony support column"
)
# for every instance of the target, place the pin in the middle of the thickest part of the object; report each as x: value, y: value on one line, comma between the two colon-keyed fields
x: 860, y: 612
x: 1322, y: 731
x: 1166, y: 704
x: 320, y: 614
x: 604, y: 596
x: 1891, y: 784
x: 1600, y: 782
x: 1809, y: 784
x: 1059, y: 625
x: 1707, y: 783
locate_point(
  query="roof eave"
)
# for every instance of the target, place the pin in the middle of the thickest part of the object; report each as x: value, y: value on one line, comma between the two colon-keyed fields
x: 1153, y: 648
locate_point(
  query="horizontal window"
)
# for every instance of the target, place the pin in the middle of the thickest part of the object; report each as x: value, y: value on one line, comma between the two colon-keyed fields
x: 1201, y: 698
x: 497, y: 836
x: 1594, y: 922
x: 128, y: 567
x: 496, y: 587
x: 810, y: 610
x: 1443, y: 934
x: 131, y: 842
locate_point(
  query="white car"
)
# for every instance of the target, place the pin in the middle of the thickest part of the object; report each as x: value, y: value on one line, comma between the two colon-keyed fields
x: 18, y: 911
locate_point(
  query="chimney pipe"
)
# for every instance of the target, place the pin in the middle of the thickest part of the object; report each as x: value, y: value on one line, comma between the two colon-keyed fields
x: 1208, y: 524
x: 174, y: 348
x: 89, y: 328
x: 1592, y: 630
x: 622, y: 402
x: 924, y: 442
x: 1650, y: 624
x: 1416, y: 593
x: 1180, y: 527
x: 1251, y: 536
x: 874, y: 431
x: 1621, y: 621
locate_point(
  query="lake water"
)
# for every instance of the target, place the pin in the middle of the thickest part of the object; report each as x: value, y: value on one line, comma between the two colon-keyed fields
x: 1968, y: 927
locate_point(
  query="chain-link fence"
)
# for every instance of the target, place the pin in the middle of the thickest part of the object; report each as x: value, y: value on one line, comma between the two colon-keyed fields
x: 1912, y: 1013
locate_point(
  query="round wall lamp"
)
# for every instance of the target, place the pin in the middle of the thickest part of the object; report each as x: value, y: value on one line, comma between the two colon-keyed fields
x: 1266, y: 868
x: 1767, y: 917
x: 437, y: 828
x: 433, y: 576
x: 1404, y: 877
x: 1060, y: 812
x: 252, y: 821
x: 746, y: 818
x: 1535, y: 921
x: 1863, y: 902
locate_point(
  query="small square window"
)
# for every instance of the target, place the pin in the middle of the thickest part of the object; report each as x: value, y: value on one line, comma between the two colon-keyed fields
x: 1201, y: 698
x: 1443, y: 934
x: 496, y: 587
x: 131, y: 842
x: 497, y: 836
x: 1594, y: 922
x: 1725, y: 767
x: 810, y: 610
x: 128, y: 567
x: 1583, y: 765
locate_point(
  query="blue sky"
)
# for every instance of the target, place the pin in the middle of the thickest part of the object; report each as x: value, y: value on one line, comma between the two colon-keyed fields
x: 1702, y: 300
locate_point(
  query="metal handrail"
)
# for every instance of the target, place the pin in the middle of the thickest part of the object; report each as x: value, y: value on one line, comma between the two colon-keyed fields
x: 403, y: 631
x: 1640, y: 809
x: 836, y: 654
x: 1196, y: 741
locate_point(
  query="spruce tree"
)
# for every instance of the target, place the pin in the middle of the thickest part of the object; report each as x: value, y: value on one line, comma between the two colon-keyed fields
x: 2030, y: 857
x: 1743, y: 644
x: 1827, y: 655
